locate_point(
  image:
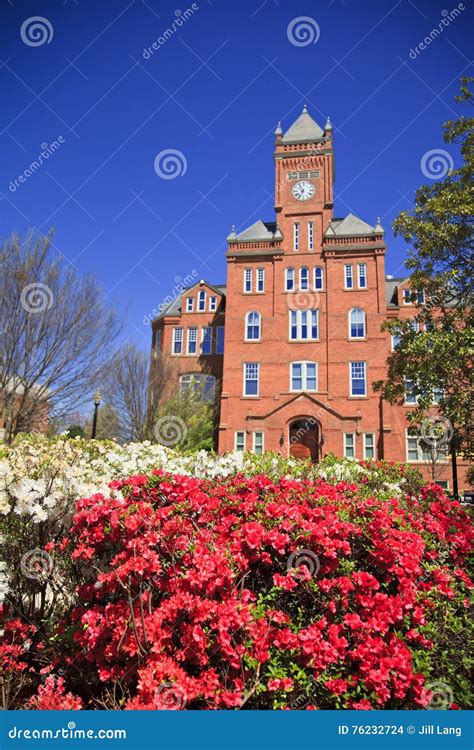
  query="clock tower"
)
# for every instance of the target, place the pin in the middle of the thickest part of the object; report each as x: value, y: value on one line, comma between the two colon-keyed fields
x: 304, y: 176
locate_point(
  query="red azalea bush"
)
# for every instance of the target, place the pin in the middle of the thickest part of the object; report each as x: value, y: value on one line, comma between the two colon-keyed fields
x: 260, y: 594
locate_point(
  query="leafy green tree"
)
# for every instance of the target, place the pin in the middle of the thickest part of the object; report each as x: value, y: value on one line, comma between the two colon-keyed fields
x: 437, y: 360
x: 186, y: 421
x: 75, y: 430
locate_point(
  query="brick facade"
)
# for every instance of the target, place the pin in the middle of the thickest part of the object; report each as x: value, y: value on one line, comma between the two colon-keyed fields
x: 286, y: 312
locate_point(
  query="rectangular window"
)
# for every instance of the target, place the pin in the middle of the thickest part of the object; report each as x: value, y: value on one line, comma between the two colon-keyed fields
x: 212, y: 304
x: 358, y: 378
x: 303, y: 376
x: 296, y: 236
x: 407, y: 297
x: 318, y: 277
x: 349, y: 445
x: 420, y: 297
x: 220, y: 340
x: 248, y: 280
x: 192, y: 340
x: 443, y: 483
x: 412, y: 448
x: 206, y: 340
x: 251, y: 377
x: 410, y: 393
x: 310, y: 235
x: 177, y: 340
x: 202, y: 301
x: 369, y: 445
x: 362, y: 275
x: 289, y: 279
x: 396, y: 338
x: 304, y: 325
x: 258, y: 443
x: 189, y: 304
x: 239, y: 441
x: 260, y: 279
x: 348, y: 277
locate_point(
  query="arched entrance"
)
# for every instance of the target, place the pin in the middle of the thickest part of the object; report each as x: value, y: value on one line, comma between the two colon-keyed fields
x: 304, y: 438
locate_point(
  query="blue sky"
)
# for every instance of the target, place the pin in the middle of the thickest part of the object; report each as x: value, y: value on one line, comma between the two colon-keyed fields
x: 213, y: 91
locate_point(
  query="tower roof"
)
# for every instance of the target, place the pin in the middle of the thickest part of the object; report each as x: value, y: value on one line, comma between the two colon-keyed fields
x: 350, y: 226
x: 303, y: 129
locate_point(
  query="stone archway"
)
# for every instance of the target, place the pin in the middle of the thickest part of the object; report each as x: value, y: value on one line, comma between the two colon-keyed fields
x: 304, y: 438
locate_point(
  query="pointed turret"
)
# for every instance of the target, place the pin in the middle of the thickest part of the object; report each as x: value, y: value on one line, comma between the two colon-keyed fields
x: 233, y: 235
x: 303, y: 130
x: 378, y: 229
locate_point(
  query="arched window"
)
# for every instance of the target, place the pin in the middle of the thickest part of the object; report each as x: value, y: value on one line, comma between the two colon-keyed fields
x: 289, y: 279
x: 304, y: 279
x: 252, y: 326
x: 318, y: 278
x: 202, y: 301
x: 356, y: 323
x: 202, y: 386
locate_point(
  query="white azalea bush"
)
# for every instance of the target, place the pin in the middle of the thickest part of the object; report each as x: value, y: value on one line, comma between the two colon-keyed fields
x: 42, y: 478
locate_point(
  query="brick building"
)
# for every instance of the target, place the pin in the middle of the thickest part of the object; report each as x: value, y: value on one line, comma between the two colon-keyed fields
x: 292, y: 344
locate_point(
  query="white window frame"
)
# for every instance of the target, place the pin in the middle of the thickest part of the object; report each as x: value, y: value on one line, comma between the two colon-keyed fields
x: 406, y: 294
x: 349, y: 276
x: 315, y: 270
x: 373, y: 447
x: 201, y: 301
x: 206, y: 328
x: 307, y: 282
x: 247, y: 315
x: 194, y: 330
x: 414, y: 400
x: 189, y: 304
x: 287, y: 278
x: 358, y: 362
x: 345, y: 445
x: 304, y: 376
x: 251, y: 395
x: 260, y: 281
x: 212, y: 304
x: 178, y: 339
x: 299, y: 325
x: 364, y: 324
x: 310, y: 235
x: 254, y: 435
x: 296, y: 236
x: 236, y: 441
x: 361, y: 266
x: 393, y: 337
x: 247, y: 280
x: 220, y: 328
x: 421, y: 459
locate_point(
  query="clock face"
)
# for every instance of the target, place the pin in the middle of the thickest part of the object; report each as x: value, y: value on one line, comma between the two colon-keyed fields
x: 303, y: 190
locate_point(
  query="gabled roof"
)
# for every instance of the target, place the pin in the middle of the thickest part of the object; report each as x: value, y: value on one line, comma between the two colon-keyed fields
x: 351, y: 226
x: 304, y: 129
x: 391, y: 287
x: 261, y: 231
x: 175, y: 307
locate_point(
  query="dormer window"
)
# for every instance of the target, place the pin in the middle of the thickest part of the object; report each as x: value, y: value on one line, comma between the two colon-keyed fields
x: 202, y: 301
x: 189, y: 304
x: 212, y: 304
x: 407, y: 297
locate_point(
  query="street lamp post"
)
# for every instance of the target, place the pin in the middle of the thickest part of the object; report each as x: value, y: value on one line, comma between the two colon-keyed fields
x: 96, y: 410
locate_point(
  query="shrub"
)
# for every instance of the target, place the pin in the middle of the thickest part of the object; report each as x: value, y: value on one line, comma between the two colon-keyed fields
x: 263, y: 594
